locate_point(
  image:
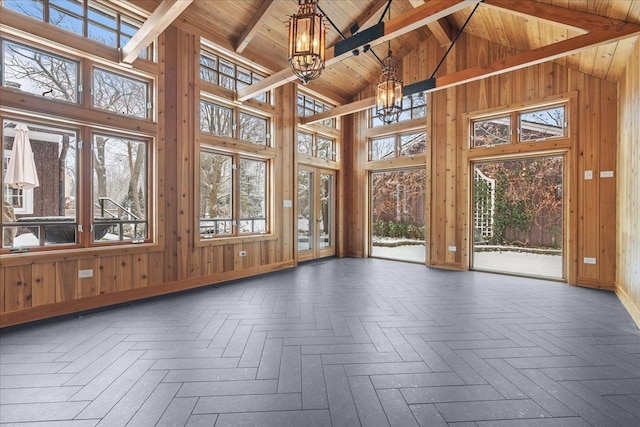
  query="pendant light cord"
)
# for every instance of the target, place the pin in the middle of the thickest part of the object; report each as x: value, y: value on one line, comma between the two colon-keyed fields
x: 455, y: 39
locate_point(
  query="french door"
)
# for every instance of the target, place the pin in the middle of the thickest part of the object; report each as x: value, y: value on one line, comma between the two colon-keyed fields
x: 316, y: 213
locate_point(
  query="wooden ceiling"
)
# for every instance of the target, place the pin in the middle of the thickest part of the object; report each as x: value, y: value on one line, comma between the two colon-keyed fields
x: 258, y: 29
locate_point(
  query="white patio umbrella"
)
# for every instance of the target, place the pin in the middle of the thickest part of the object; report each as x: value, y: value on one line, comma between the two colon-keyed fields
x: 21, y: 170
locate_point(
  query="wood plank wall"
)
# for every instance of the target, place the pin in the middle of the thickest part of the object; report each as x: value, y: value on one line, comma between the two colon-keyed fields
x: 628, y: 272
x: 592, y: 233
x: 40, y: 285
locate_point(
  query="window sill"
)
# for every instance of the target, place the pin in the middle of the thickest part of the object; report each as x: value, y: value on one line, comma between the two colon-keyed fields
x: 231, y: 240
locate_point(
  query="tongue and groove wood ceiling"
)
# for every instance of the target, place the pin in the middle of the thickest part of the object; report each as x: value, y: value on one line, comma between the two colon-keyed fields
x: 258, y: 30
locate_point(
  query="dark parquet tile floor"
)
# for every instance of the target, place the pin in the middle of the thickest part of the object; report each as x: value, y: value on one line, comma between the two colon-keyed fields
x: 339, y: 342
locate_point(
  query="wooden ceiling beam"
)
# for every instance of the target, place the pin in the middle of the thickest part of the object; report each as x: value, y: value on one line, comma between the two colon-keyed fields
x: 441, y: 29
x: 403, y: 24
x: 158, y: 21
x: 608, y: 34
x: 556, y: 15
x: 253, y: 26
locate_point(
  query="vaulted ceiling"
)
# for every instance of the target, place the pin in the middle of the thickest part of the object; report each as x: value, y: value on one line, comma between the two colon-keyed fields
x: 257, y: 30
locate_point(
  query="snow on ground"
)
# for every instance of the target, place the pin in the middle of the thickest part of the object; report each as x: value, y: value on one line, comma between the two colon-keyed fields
x: 413, y: 253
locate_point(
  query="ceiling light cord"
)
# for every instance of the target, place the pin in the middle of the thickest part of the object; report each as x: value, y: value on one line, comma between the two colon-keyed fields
x: 331, y: 22
x: 454, y: 40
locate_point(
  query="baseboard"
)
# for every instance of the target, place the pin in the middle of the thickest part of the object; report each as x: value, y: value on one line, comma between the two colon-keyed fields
x: 42, y: 312
x: 628, y: 303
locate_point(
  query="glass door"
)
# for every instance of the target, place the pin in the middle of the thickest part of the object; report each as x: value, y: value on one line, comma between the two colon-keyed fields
x: 316, y: 213
x: 518, y: 216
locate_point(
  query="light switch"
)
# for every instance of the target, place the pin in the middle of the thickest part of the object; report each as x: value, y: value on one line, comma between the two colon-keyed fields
x: 588, y: 174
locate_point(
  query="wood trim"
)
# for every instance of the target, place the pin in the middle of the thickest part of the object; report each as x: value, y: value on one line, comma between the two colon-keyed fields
x: 253, y: 26
x: 397, y: 163
x: 159, y: 20
x: 633, y: 310
x: 405, y: 23
x: 31, y: 314
x: 342, y: 110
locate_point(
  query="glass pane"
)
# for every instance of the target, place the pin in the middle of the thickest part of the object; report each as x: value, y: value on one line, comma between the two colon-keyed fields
x: 490, y: 132
x: 542, y: 125
x: 305, y: 143
x: 120, y: 94
x: 216, y: 119
x: 412, y: 144
x: 253, y: 129
x: 119, y: 188
x: 39, y: 73
x: 518, y: 216
x: 102, y: 17
x: 326, y: 211
x: 383, y: 148
x: 65, y: 21
x: 325, y: 148
x: 72, y: 6
x: 374, y: 120
x: 397, y: 215
x: 216, y: 194
x: 32, y: 8
x: 40, y: 191
x: 305, y: 210
x: 244, y: 75
x: 253, y: 196
x: 102, y: 35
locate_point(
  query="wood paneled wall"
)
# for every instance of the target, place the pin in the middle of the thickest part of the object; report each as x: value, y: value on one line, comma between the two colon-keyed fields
x: 628, y: 272
x: 40, y: 285
x: 591, y: 227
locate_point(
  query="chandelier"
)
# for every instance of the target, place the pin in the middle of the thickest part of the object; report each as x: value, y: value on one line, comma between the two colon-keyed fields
x: 389, y: 92
x: 306, y: 41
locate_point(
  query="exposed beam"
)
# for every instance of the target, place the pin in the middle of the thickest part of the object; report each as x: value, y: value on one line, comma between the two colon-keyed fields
x: 253, y: 26
x: 608, y: 34
x: 556, y: 15
x: 393, y: 28
x: 441, y: 29
x: 157, y: 22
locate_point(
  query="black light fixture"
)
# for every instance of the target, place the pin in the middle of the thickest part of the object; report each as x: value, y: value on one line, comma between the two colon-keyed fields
x: 306, y: 41
x: 389, y: 91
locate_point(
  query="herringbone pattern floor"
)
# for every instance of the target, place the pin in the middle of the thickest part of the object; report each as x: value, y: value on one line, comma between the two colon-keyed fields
x: 342, y: 342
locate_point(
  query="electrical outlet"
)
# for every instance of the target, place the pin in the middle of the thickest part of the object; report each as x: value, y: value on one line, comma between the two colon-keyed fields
x: 242, y: 253
x: 452, y: 249
x: 589, y: 260
x: 606, y: 174
x: 83, y: 274
x: 287, y: 204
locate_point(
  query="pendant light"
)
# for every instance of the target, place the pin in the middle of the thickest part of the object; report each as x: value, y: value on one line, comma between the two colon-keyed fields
x: 389, y: 91
x: 306, y: 41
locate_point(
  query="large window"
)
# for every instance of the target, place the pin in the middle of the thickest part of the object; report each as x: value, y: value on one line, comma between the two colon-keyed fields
x: 40, y: 73
x: 316, y: 145
x: 233, y: 194
x: 220, y: 120
x: 97, y: 21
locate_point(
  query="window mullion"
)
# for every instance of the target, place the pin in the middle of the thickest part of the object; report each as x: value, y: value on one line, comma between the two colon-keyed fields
x: 236, y: 194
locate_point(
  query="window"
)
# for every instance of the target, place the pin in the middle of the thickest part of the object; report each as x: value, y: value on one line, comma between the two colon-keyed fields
x: 120, y: 94
x: 541, y: 125
x: 407, y: 144
x: 219, y: 120
x: 34, y: 71
x: 225, y: 73
x: 413, y: 107
x: 534, y: 125
x: 216, y: 119
x: 39, y: 196
x: 316, y: 145
x: 97, y: 21
x: 233, y: 194
x: 308, y: 106
x: 254, y: 129
x: 490, y: 132
x: 119, y: 188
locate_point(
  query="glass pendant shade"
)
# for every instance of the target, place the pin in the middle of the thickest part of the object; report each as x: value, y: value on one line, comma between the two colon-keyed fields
x: 306, y: 41
x: 389, y: 92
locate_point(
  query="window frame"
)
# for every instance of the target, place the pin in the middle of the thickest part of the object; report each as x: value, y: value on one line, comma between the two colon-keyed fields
x: 235, y: 219
x: 315, y: 142
x: 311, y: 105
x: 397, y: 147
x: 149, y: 90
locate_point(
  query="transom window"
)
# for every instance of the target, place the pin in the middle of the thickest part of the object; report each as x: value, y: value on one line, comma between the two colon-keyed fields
x: 97, y: 21
x: 227, y: 74
x: 407, y: 144
x: 316, y: 145
x: 535, y: 125
x: 308, y: 106
x: 120, y: 94
x: 413, y: 107
x: 220, y: 120
x: 234, y: 198
x: 40, y: 73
